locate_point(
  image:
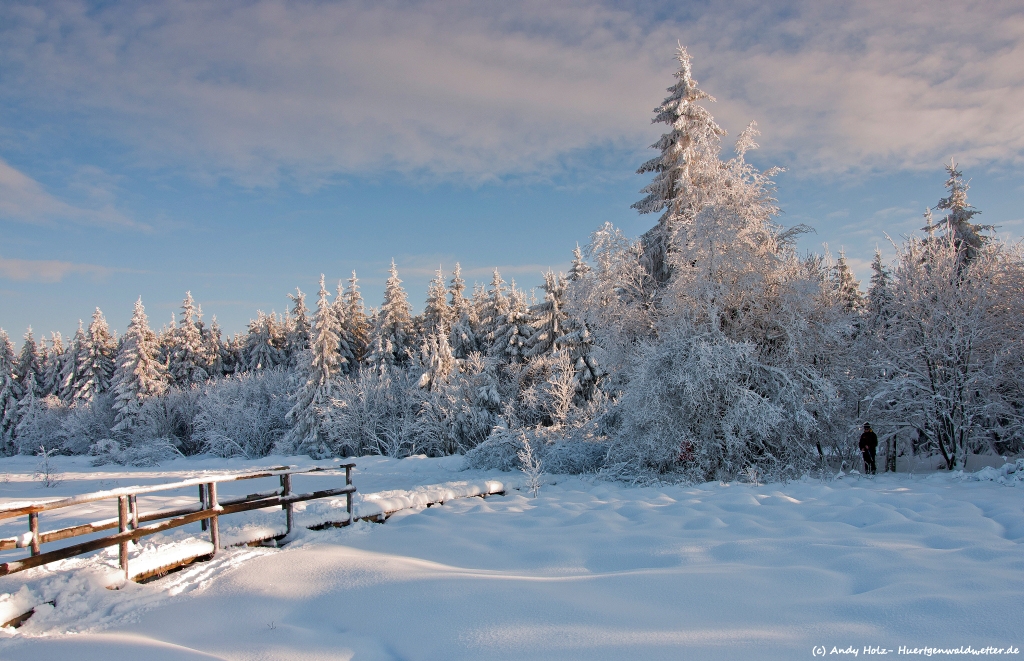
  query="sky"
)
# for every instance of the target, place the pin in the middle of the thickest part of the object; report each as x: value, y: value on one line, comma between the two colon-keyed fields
x: 240, y: 149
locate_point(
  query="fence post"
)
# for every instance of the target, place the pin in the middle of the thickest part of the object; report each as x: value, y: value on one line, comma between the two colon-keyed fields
x: 211, y: 492
x: 122, y: 526
x: 289, y: 508
x: 33, y: 528
x: 205, y: 523
x: 348, y: 496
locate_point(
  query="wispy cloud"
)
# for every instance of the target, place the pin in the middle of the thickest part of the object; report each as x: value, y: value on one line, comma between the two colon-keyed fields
x: 261, y: 90
x: 23, y: 199
x: 50, y: 270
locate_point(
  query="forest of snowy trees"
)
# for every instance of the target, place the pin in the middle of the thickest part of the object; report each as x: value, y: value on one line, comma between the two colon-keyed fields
x: 704, y: 349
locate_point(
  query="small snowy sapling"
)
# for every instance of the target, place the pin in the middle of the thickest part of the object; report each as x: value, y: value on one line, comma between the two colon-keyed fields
x: 46, y: 469
x: 531, y: 465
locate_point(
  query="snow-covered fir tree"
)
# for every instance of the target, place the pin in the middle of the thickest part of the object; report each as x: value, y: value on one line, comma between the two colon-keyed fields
x: 548, y: 316
x: 95, y: 360
x: 493, y: 307
x: 392, y: 332
x: 8, y: 393
x: 356, y: 321
x: 188, y: 362
x: 847, y: 287
x: 318, y: 367
x: 579, y: 268
x: 139, y: 374
x: 685, y: 170
x: 437, y: 314
x: 54, y: 365
x: 298, y: 328
x: 347, y: 361
x: 69, y: 372
x: 957, y: 225
x: 510, y: 332
x: 29, y: 371
x: 457, y: 292
x: 880, y: 293
x: 261, y: 344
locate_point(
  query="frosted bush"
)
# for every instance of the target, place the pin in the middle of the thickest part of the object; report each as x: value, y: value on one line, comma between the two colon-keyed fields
x: 373, y: 413
x: 575, y: 457
x: 243, y: 415
x: 151, y: 452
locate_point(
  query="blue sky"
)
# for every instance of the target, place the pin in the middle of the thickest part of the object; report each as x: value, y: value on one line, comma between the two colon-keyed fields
x: 240, y: 149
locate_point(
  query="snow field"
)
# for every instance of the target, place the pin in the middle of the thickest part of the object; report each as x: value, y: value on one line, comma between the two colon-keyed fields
x: 588, y: 570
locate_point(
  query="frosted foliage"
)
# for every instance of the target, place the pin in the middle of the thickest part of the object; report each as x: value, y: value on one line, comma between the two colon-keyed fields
x: 298, y: 330
x: 29, y: 369
x: 244, y: 415
x: 69, y: 371
x: 950, y: 353
x: 457, y: 291
x: 139, y: 375
x: 356, y: 323
x: 700, y: 406
x: 460, y: 412
x: 373, y: 414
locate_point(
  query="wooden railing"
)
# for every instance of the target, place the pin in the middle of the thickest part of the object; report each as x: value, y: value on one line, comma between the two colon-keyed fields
x: 209, y: 509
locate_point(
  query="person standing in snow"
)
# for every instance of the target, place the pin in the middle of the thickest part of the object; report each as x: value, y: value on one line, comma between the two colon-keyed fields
x: 868, y: 445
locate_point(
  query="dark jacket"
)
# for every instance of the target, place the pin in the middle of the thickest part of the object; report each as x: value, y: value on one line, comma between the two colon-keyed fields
x: 868, y: 440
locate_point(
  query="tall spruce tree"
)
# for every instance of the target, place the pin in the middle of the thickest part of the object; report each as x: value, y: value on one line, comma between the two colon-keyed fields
x: 8, y: 393
x: 356, y: 322
x: 139, y: 374
x: 188, y: 363
x: 95, y: 360
x: 318, y: 366
x: 684, y: 171
x: 392, y: 332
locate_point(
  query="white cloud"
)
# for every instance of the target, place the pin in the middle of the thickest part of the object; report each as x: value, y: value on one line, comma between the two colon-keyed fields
x: 24, y: 199
x: 49, y: 270
x: 257, y: 91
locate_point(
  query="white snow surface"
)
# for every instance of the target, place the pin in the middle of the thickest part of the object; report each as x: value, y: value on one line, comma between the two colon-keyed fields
x: 587, y: 570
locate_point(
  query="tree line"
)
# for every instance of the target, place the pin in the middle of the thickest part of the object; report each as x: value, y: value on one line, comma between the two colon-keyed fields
x: 703, y: 349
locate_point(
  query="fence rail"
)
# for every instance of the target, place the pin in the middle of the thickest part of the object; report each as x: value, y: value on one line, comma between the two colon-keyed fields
x: 208, y: 511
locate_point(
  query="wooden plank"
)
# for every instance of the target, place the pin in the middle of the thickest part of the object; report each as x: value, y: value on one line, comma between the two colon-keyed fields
x: 8, y: 510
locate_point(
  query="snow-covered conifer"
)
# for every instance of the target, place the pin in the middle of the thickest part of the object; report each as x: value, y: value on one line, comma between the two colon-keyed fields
x: 880, y: 293
x: 69, y: 372
x: 8, y: 392
x: 95, y: 360
x: 139, y: 374
x: 457, y: 291
x: 261, y: 351
x: 356, y: 322
x: 319, y: 365
x: 188, y: 361
x: 510, y: 332
x: 29, y: 371
x: 437, y: 314
x: 847, y: 287
x: 684, y: 170
x: 549, y: 316
x: 437, y: 360
x: 298, y: 328
x: 493, y: 307
x: 54, y: 365
x: 579, y: 268
x: 393, y: 329
x: 957, y: 224
x: 347, y: 362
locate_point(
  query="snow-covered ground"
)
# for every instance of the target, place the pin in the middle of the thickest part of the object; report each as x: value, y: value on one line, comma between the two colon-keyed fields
x: 588, y: 570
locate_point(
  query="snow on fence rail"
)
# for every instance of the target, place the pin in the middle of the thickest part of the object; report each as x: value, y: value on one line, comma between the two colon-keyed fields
x: 208, y: 511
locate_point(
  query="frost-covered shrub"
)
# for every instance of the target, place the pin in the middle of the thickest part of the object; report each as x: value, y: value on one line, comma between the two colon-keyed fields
x: 150, y: 452
x: 459, y: 413
x: 501, y: 450
x: 172, y: 416
x: 85, y: 424
x: 40, y: 425
x: 243, y: 415
x: 373, y: 413
x: 700, y: 405
x: 573, y: 457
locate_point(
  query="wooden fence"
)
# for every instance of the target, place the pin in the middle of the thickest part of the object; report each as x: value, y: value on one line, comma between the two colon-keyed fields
x: 128, y: 521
